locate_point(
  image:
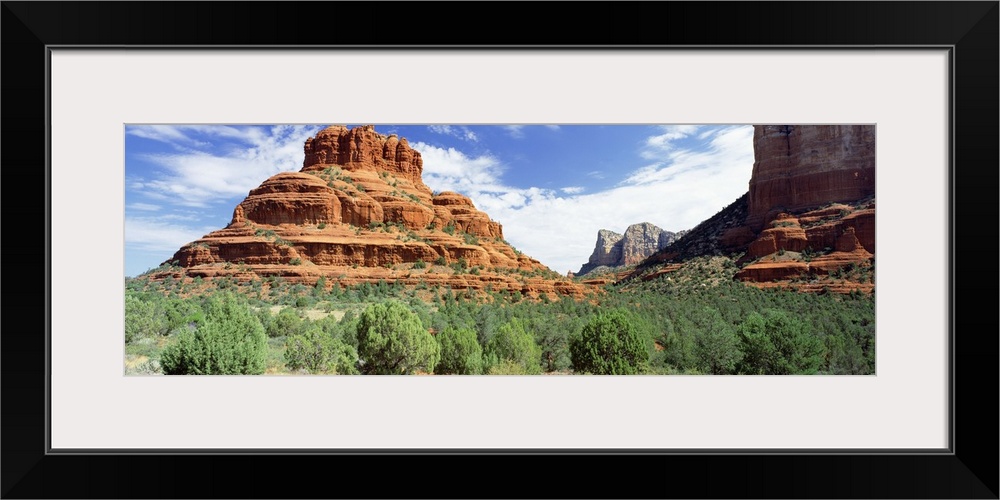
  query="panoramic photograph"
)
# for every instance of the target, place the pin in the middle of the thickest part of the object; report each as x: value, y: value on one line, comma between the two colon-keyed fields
x: 534, y: 249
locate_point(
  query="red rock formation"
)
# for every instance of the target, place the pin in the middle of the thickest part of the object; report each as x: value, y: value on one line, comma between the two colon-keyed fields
x: 808, y: 221
x: 816, y: 230
x: 361, y: 148
x: 358, y: 212
x: 456, y: 209
x: 662, y: 271
x: 785, y: 251
x: 798, y: 167
x: 737, y: 237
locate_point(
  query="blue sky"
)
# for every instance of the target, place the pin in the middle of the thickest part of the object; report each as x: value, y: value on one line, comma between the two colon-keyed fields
x: 551, y: 186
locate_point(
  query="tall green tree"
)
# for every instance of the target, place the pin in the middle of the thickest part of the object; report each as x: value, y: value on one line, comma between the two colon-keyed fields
x: 717, y: 347
x: 461, y: 353
x: 513, y: 345
x: 320, y: 352
x: 144, y: 317
x: 230, y: 341
x: 285, y: 324
x: 775, y: 343
x: 610, y: 344
x: 391, y: 341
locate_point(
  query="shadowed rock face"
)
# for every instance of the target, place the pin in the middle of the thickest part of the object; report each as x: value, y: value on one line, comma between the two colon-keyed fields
x: 808, y: 220
x: 807, y: 194
x: 799, y: 167
x: 357, y: 212
x: 639, y: 242
x: 607, y: 251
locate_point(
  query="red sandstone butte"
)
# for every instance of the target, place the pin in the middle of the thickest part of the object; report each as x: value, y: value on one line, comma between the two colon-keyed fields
x: 357, y: 212
x: 798, y: 167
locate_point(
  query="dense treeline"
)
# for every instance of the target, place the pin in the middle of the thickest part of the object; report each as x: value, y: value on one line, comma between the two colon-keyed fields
x: 698, y: 321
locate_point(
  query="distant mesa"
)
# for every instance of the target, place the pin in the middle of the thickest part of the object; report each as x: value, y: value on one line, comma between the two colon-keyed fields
x: 358, y: 211
x: 614, y: 250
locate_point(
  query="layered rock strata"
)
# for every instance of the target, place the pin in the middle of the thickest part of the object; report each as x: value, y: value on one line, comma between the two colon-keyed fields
x: 831, y: 248
x: 808, y: 220
x: 800, y: 167
x: 358, y: 212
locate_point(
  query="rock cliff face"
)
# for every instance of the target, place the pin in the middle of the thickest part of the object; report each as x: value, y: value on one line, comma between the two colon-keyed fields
x: 359, y: 212
x: 808, y: 221
x: 607, y: 251
x: 831, y: 248
x: 616, y: 250
x: 811, y: 208
x: 361, y: 148
x: 799, y: 167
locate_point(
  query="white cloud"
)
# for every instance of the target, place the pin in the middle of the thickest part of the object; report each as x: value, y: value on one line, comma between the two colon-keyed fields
x: 209, y: 170
x: 657, y: 145
x: 680, y: 187
x: 685, y: 188
x: 198, y: 178
x: 452, y: 170
x: 191, y: 217
x: 518, y: 131
x: 147, y: 207
x: 154, y: 235
x: 460, y: 131
x: 708, y: 133
x: 440, y: 129
x: 515, y: 131
x: 171, y: 134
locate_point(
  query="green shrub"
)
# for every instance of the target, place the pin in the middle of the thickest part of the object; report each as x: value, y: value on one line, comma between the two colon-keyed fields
x: 775, y: 343
x: 320, y: 352
x: 440, y: 261
x: 718, y: 347
x: 610, y: 344
x: 460, y: 265
x: 419, y: 264
x: 285, y: 323
x: 392, y: 341
x: 319, y: 289
x: 144, y: 318
x: 321, y: 225
x: 512, y: 343
x: 231, y: 341
x: 461, y: 353
x: 507, y: 367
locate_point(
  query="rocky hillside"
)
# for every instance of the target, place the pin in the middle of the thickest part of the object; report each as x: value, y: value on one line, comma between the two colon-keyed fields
x: 358, y: 211
x: 802, y: 167
x: 615, y: 250
x: 808, y: 220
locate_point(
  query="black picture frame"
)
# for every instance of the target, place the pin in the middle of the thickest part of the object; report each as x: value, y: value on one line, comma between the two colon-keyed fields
x: 969, y: 470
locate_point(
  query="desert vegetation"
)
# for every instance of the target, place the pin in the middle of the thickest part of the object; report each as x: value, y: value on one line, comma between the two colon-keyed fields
x: 695, y: 320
